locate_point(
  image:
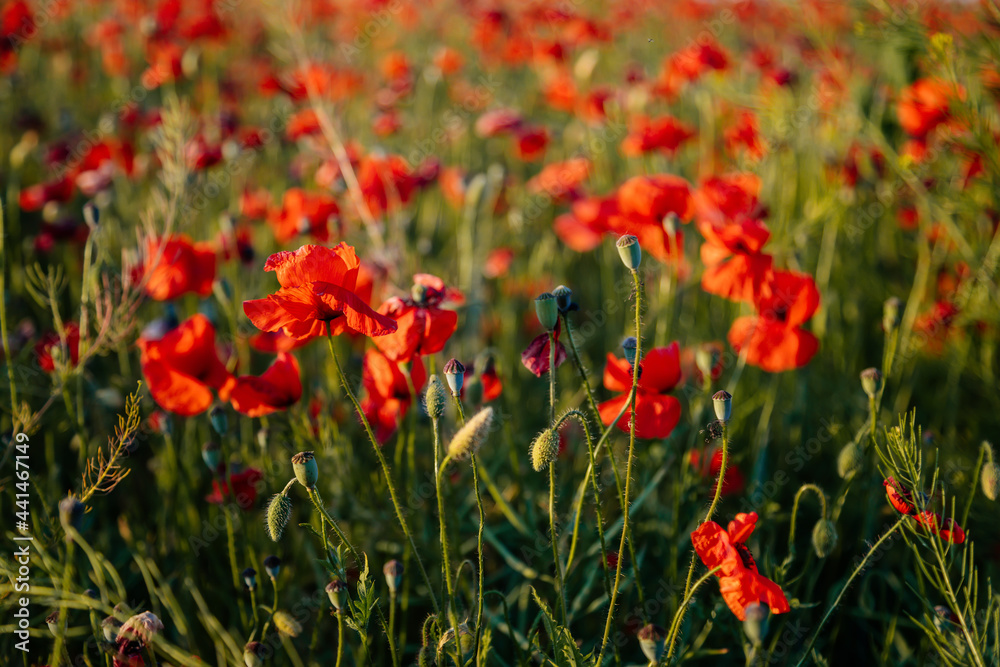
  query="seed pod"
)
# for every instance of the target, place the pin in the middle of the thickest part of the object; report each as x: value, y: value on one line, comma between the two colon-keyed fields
x: 393, y: 571
x: 824, y: 538
x: 564, y: 298
x: 629, y: 347
x: 629, y: 250
x: 272, y: 565
x: 871, y: 381
x: 336, y: 590
x: 454, y: 374
x: 544, y: 449
x: 850, y: 460
x: 722, y: 401
x: 651, y: 641
x: 254, y: 653
x: 470, y: 437
x: 211, y: 454
x: 279, y: 511
x: 990, y: 479
x: 52, y: 620
x: 547, y: 310
x: 755, y: 622
x: 306, y: 469
x: 286, y: 624
x: 219, y: 419
x: 435, y: 397
x: 250, y: 578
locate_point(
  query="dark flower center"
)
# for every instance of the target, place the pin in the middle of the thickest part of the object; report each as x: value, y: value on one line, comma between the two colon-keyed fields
x: 746, y: 556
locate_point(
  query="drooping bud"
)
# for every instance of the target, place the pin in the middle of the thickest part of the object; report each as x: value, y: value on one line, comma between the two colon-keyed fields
x: 824, y: 538
x: 990, y: 480
x: 722, y: 401
x: 454, y: 375
x: 891, y: 311
x: 652, y: 640
x: 272, y: 565
x: 306, y: 469
x: 336, y: 590
x: 250, y: 578
x: 755, y: 622
x: 279, y: 511
x: 219, y: 419
x: 544, y: 449
x: 470, y: 437
x: 211, y: 454
x: 850, y: 460
x: 286, y: 624
x: 564, y: 298
x: 871, y: 381
x: 547, y: 310
x: 629, y: 250
x: 435, y: 397
x: 629, y: 346
x: 393, y: 571
x: 254, y: 653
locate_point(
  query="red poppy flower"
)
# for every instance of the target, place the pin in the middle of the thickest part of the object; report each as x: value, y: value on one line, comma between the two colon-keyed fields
x: 531, y: 143
x: 947, y: 528
x: 727, y: 198
x: 584, y: 227
x: 51, y: 340
x: 665, y: 134
x: 388, y: 396
x: 734, y: 482
x: 422, y: 327
x: 924, y: 105
x: 773, y: 339
x: 560, y: 181
x: 744, y: 135
x: 387, y: 182
x: 317, y: 289
x: 303, y: 212
x: 492, y: 386
x: 244, y: 487
x: 183, y: 367
x: 498, y: 121
x: 656, y: 413
x: 740, y: 583
x: 735, y: 266
x: 536, y: 356
x: 277, y: 388
x: 35, y: 197
x: 175, y: 266
x: 275, y: 341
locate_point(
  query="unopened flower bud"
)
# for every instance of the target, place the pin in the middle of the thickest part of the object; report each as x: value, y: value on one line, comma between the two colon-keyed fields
x: 629, y: 346
x: 547, y: 310
x: 755, y: 622
x: 286, y: 624
x: 336, y: 590
x: 71, y: 512
x: 891, y: 311
x: 52, y: 620
x: 263, y: 434
x: 272, y: 565
x: 454, y: 375
x: 629, y: 250
x: 211, y: 454
x: 279, y: 511
x: 824, y: 538
x: 254, y: 653
x: 850, y: 460
x: 652, y: 640
x: 109, y: 627
x: 722, y: 401
x: 393, y: 571
x: 219, y: 419
x: 306, y: 469
x: 471, y: 437
x: 435, y: 397
x: 250, y: 578
x: 466, y: 641
x: 990, y: 479
x: 871, y: 381
x: 564, y: 298
x: 544, y: 449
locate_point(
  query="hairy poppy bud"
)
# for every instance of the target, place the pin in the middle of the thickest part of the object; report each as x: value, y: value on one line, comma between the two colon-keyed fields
x: 850, y: 460
x: 211, y: 454
x: 470, y: 437
x: 109, y: 627
x: 755, y: 622
x: 219, y: 419
x: 824, y: 537
x: 629, y: 346
x: 723, y: 403
x: 564, y: 298
x: 466, y: 641
x: 544, y: 449
x: 279, y: 511
x: 990, y: 479
x: 250, y: 578
x: 272, y: 565
x: 547, y: 310
x: 871, y: 381
x: 651, y: 640
x: 393, y: 571
x: 434, y: 397
x: 629, y: 250
x: 454, y: 374
x: 336, y: 590
x: 891, y: 314
x: 253, y: 654
x: 286, y: 624
x: 306, y: 469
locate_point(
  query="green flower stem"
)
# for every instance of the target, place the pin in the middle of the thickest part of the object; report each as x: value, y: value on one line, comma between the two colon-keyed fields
x: 984, y: 451
x: 795, y: 510
x: 57, y: 648
x: 385, y: 469
x: 479, y: 554
x: 317, y: 502
x: 675, y: 624
x: 253, y: 607
x: 340, y: 638
x: 3, y: 315
x: 452, y: 618
x: 560, y: 584
x: 460, y: 409
x: 722, y: 473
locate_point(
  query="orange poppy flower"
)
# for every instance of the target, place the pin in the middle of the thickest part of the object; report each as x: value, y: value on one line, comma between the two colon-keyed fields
x: 924, y: 105
x: 531, y: 143
x: 422, y: 327
x: 740, y: 583
x: 665, y: 134
x: 656, y: 413
x: 51, y: 340
x: 183, y: 367
x: 303, y: 212
x: 317, y: 290
x: 735, y: 266
x: 773, y: 338
x: 709, y: 467
x: 561, y: 180
x: 277, y: 388
x: 388, y: 396
x: 744, y: 135
x: 947, y: 528
x: 175, y: 266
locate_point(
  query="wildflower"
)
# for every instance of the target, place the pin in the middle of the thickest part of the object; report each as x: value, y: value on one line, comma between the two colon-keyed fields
x: 174, y: 266
x: 946, y: 528
x: 275, y: 389
x: 924, y: 105
x: 536, y: 356
x: 736, y: 268
x: 656, y: 414
x: 387, y: 391
x: 899, y: 496
x: 722, y: 401
x: 423, y: 327
x: 652, y: 640
x: 254, y: 654
x: 629, y: 250
x: 708, y: 467
x: 133, y: 636
x: 279, y: 511
x: 740, y: 582
x: 50, y: 347
x: 317, y: 292
x: 665, y: 134
x: 336, y: 590
x: 244, y: 490
x: 454, y: 374
x: 871, y: 381
x: 249, y: 578
x: 272, y: 565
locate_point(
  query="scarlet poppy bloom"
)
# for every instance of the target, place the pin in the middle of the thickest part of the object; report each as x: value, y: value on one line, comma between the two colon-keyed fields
x: 727, y: 198
x: 709, y: 467
x: 51, y: 340
x: 422, y: 327
x: 773, y: 338
x: 491, y: 384
x: 303, y: 212
x: 175, y: 266
x: 924, y: 105
x: 183, y: 367
x: 536, y: 356
x: 244, y: 487
x: 531, y: 143
x: 947, y: 528
x: 276, y: 341
x: 735, y: 266
x: 277, y: 388
x: 35, y: 197
x: 656, y: 413
x: 317, y: 290
x: 498, y: 121
x: 740, y: 583
x: 745, y: 135
x: 561, y: 180
x: 388, y: 396
x: 583, y: 228
x: 665, y: 134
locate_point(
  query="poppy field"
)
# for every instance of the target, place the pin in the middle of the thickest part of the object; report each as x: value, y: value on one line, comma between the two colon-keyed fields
x: 499, y: 333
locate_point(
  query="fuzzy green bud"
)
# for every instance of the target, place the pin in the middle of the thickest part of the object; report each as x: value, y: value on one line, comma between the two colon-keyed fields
x: 286, y: 624
x: 630, y: 346
x: 336, y: 590
x: 629, y: 251
x: 850, y: 460
x: 547, y: 310
x: 755, y: 622
x: 393, y: 571
x: 652, y: 640
x: 454, y: 374
x: 990, y: 479
x: 466, y: 641
x: 470, y: 437
x: 891, y: 311
x: 544, y: 449
x: 279, y: 511
x: 306, y: 469
x: 871, y: 381
x: 824, y: 538
x: 722, y: 401
x: 435, y: 397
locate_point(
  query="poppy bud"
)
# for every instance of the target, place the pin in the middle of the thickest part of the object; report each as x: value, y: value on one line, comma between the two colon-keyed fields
x: 564, y: 298
x: 723, y: 403
x: 71, y: 512
x: 629, y: 347
x: 286, y: 624
x: 211, y: 454
x: 262, y: 437
x: 272, y: 565
x: 871, y: 381
x: 454, y: 375
x: 219, y: 419
x: 109, y: 627
x: 250, y: 578
x: 544, y: 449
x: 755, y: 622
x: 91, y: 214
x: 629, y: 250
x: 393, y: 571
x: 279, y: 511
x: 824, y: 537
x: 52, y: 620
x: 466, y: 641
x: 435, y: 397
x: 891, y: 314
x: 305, y: 468
x: 470, y: 437
x: 336, y: 590
x: 850, y: 460
x: 426, y: 657
x: 652, y: 639
x: 253, y: 654
x: 547, y: 310
x: 990, y: 479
